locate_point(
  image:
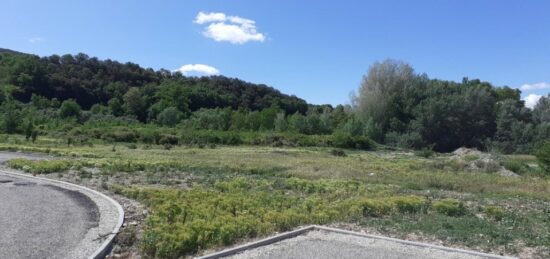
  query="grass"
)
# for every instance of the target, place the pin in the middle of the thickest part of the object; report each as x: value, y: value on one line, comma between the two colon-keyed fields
x: 233, y: 193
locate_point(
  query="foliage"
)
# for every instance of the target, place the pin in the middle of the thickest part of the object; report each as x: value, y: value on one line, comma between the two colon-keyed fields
x: 543, y: 156
x: 69, y: 108
x: 41, y: 166
x: 450, y: 207
x: 183, y: 222
x: 169, y: 117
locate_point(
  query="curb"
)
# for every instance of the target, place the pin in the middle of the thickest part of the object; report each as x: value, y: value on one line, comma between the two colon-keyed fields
x: 294, y: 233
x: 105, y: 247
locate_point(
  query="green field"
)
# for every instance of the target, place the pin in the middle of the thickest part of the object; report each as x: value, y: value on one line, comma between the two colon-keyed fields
x: 209, y: 197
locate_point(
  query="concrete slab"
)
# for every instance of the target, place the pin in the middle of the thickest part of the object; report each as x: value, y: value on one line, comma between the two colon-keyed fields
x: 322, y: 242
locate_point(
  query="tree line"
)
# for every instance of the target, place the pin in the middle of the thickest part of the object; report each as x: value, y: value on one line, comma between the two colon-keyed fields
x: 394, y: 105
x: 403, y: 108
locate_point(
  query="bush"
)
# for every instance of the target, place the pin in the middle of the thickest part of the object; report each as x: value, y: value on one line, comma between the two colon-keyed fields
x: 338, y: 152
x: 40, y: 166
x: 543, y: 156
x: 450, y: 207
x: 131, y: 146
x: 376, y: 208
x: 70, y: 108
x: 168, y: 139
x: 410, y: 204
x: 342, y: 140
x: 495, y: 212
x: 169, y: 117
x: 425, y: 153
x: 120, y: 134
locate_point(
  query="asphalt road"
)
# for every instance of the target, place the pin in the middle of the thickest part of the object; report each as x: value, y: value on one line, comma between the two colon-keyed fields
x: 40, y: 220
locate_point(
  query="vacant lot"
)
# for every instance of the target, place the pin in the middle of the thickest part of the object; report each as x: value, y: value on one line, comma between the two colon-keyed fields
x: 206, y: 198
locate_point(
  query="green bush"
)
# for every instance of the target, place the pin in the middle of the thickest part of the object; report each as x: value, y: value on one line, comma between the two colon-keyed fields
x: 543, y: 156
x: 376, y: 207
x: 450, y: 207
x: 41, y: 166
x: 342, y: 140
x: 338, y: 152
x: 425, y: 153
x: 410, y: 204
x: 495, y: 212
x: 120, y: 134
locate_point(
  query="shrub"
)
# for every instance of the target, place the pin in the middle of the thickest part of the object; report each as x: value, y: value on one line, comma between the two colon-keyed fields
x: 450, y: 207
x: 168, y: 139
x: 342, y: 140
x: 376, y: 208
x: 410, y: 204
x: 338, y: 152
x: 543, y: 156
x: 425, y: 153
x: 516, y: 166
x: 131, y: 146
x: 40, y: 166
x: 120, y: 134
x: 70, y: 108
x: 169, y: 117
x: 495, y: 212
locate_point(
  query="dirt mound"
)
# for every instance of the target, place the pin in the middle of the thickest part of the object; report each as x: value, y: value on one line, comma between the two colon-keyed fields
x: 476, y: 160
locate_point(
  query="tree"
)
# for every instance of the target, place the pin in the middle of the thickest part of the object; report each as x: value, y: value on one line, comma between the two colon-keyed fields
x: 11, y: 117
x: 541, y: 111
x: 169, y: 117
x: 69, y: 108
x: 134, y: 104
x: 543, y: 156
x: 280, y: 122
x: 381, y: 89
x: 514, y: 131
x: 115, y: 107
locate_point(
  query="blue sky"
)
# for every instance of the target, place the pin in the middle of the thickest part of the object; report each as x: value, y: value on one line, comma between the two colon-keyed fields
x: 317, y: 50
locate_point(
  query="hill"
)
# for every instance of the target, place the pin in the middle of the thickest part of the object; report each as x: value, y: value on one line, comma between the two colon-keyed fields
x: 90, y: 81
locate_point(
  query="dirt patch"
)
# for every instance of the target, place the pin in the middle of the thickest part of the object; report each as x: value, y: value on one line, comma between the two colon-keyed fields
x: 476, y: 160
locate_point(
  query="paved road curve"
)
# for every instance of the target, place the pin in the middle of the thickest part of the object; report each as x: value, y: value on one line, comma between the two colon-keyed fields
x: 42, y: 221
x: 40, y: 218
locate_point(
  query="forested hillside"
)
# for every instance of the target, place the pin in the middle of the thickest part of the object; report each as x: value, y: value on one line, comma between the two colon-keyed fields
x: 91, y: 81
x: 85, y: 98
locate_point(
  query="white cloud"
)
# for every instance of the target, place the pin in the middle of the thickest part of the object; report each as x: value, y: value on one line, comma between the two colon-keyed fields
x: 203, y: 18
x: 536, y: 86
x: 233, y: 29
x: 531, y: 100
x: 36, y: 40
x: 198, y: 68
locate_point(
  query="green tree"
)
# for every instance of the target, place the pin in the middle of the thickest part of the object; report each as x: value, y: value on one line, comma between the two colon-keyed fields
x: 115, y: 107
x: 11, y: 117
x: 381, y: 90
x: 70, y: 108
x: 541, y: 111
x: 543, y: 156
x: 134, y: 104
x: 169, y: 117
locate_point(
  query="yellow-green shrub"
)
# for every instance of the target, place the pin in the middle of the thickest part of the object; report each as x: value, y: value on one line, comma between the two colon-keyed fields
x: 41, y: 166
x: 494, y: 212
x: 450, y: 207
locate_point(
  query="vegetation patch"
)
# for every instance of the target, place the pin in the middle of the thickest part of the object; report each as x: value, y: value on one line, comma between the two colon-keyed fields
x: 42, y: 166
x: 183, y: 222
x: 450, y: 207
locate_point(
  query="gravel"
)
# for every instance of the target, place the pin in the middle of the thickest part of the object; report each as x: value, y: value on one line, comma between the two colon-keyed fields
x: 324, y: 244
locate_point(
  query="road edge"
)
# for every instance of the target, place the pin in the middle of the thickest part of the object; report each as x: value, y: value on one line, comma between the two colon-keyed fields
x: 104, y: 249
